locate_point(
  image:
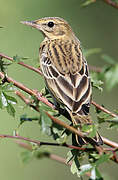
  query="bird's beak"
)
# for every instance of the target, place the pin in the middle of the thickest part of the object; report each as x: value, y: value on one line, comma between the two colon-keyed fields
x: 32, y: 24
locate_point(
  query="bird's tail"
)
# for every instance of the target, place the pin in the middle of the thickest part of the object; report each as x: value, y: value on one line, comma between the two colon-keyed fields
x: 77, y: 140
x: 95, y: 141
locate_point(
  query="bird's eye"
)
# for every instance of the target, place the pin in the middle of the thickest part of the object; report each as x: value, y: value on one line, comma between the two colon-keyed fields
x: 50, y: 24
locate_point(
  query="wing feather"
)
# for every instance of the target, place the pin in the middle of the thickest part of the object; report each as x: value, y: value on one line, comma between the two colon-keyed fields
x: 69, y: 83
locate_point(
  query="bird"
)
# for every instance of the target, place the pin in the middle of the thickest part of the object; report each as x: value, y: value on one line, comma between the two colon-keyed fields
x: 66, y: 72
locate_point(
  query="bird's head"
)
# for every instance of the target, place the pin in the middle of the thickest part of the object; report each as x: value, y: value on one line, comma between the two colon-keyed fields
x: 51, y: 27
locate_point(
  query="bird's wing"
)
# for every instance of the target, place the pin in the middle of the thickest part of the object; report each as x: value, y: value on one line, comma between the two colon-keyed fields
x: 67, y: 76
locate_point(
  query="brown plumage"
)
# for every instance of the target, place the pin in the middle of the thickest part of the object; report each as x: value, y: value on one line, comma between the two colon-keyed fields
x: 66, y: 71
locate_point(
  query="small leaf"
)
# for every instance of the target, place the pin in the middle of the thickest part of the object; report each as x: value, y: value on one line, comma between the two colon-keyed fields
x: 44, y: 107
x: 108, y: 59
x: 111, y: 77
x: 96, y: 83
x: 10, y: 99
x: 103, y: 158
x: 4, y: 100
x: 87, y: 2
x: 98, y: 174
x: 95, y: 174
x: 41, y: 152
x: 1, y: 105
x: 26, y: 156
x: 45, y: 123
x: 90, y: 52
x: 59, y: 133
x: 91, y: 129
x: 17, y: 58
x: 85, y: 168
x: 75, y: 166
x: 70, y: 156
x: 102, y: 116
x: 8, y: 87
x: 10, y: 109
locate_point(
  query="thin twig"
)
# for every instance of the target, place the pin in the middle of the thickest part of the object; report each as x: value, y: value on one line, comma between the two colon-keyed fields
x: 21, y: 63
x: 103, y: 109
x: 59, y: 159
x: 63, y: 124
x: 111, y: 3
x: 109, y: 142
x: 95, y: 69
x: 49, y: 155
x: 41, y: 143
x: 27, y: 90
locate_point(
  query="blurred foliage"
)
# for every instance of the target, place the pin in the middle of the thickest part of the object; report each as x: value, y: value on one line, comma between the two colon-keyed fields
x: 88, y: 2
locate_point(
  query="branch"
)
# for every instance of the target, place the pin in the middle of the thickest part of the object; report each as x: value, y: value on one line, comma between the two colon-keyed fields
x: 49, y: 155
x: 103, y: 109
x: 22, y: 64
x: 111, y: 3
x: 95, y: 69
x: 109, y: 142
x: 41, y: 143
x: 27, y: 90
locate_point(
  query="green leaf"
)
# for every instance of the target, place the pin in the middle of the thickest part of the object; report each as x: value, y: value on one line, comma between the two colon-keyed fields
x: 42, y: 152
x: 3, y: 65
x: 70, y: 156
x: 96, y: 82
x: 103, y: 158
x: 1, y: 105
x: 10, y: 109
x: 17, y: 58
x: 45, y: 123
x: 74, y: 156
x: 3, y: 100
x: 108, y: 59
x: 75, y: 166
x: 8, y: 87
x: 59, y: 133
x: 111, y: 76
x: 26, y: 156
x: 46, y: 108
x: 91, y: 129
x: 92, y: 51
x: 95, y: 174
x: 87, y: 2
x: 98, y: 174
x: 85, y: 168
x: 102, y: 116
x: 10, y: 99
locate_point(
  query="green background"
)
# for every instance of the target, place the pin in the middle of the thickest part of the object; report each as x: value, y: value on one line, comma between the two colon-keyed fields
x: 97, y: 27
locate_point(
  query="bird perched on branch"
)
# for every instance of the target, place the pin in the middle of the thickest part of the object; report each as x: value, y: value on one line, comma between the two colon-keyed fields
x: 66, y: 71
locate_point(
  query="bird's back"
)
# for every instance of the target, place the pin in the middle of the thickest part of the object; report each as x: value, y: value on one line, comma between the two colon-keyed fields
x: 66, y: 72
